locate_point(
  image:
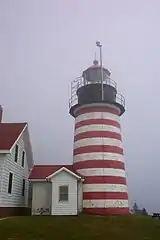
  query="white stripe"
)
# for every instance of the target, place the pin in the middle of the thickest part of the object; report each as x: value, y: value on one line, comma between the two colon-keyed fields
x: 98, y: 156
x: 102, y: 172
x: 97, y: 115
x: 97, y: 127
x: 105, y: 203
x: 97, y: 141
x: 104, y: 188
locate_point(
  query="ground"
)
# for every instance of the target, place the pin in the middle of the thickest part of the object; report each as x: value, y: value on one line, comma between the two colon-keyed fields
x: 82, y: 227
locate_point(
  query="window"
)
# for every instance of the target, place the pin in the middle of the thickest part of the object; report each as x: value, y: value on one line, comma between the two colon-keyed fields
x: 23, y: 158
x: 16, y: 153
x: 63, y: 193
x: 10, y: 182
x: 23, y: 187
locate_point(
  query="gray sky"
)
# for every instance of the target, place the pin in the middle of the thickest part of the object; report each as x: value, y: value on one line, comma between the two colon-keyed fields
x: 45, y: 44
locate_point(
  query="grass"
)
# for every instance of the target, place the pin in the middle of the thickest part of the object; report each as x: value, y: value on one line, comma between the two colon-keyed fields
x: 82, y: 227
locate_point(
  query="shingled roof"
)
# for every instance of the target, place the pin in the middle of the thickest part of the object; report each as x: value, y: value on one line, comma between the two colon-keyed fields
x: 43, y: 171
x: 9, y: 133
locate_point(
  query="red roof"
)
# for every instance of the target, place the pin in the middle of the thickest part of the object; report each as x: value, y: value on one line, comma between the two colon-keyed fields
x: 43, y: 171
x: 9, y: 132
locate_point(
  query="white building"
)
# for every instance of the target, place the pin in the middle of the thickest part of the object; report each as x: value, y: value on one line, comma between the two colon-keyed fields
x: 56, y: 190
x: 16, y: 162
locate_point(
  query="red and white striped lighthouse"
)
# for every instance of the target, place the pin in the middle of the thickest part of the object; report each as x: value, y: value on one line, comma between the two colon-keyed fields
x: 98, y: 150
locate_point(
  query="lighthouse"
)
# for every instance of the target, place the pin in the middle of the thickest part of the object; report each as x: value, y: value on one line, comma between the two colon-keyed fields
x: 98, y: 154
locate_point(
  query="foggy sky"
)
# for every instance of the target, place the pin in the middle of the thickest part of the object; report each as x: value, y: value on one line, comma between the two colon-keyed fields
x: 45, y: 44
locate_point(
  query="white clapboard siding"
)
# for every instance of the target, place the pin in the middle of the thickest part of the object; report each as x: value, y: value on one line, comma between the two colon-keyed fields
x: 15, y: 199
x: 2, y: 159
x: 64, y: 208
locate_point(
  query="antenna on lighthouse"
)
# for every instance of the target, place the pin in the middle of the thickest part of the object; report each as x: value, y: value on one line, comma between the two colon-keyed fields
x: 95, y: 56
x: 98, y: 44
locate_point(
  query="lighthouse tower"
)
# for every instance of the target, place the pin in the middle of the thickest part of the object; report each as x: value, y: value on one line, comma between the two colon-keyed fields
x: 98, y: 152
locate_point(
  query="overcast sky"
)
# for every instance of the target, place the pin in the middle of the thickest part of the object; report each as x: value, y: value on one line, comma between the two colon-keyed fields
x: 45, y: 44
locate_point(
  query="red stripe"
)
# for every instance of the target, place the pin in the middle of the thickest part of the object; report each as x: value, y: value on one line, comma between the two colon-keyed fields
x: 96, y: 148
x: 99, y: 164
x: 105, y: 179
x: 91, y: 134
x: 97, y: 121
x: 97, y: 109
x: 115, y: 211
x: 105, y: 195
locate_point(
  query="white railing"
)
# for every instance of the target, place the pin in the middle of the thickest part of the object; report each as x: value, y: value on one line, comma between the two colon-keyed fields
x: 80, y: 81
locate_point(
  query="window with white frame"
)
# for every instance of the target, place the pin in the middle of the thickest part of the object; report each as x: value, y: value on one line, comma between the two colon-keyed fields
x: 63, y: 193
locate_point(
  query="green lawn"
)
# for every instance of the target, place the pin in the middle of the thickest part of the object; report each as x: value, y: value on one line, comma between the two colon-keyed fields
x: 84, y: 227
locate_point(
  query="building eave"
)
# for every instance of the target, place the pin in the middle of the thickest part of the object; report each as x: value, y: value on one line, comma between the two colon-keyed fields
x: 37, y: 180
x: 63, y: 169
x: 5, y: 151
x: 19, y: 137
